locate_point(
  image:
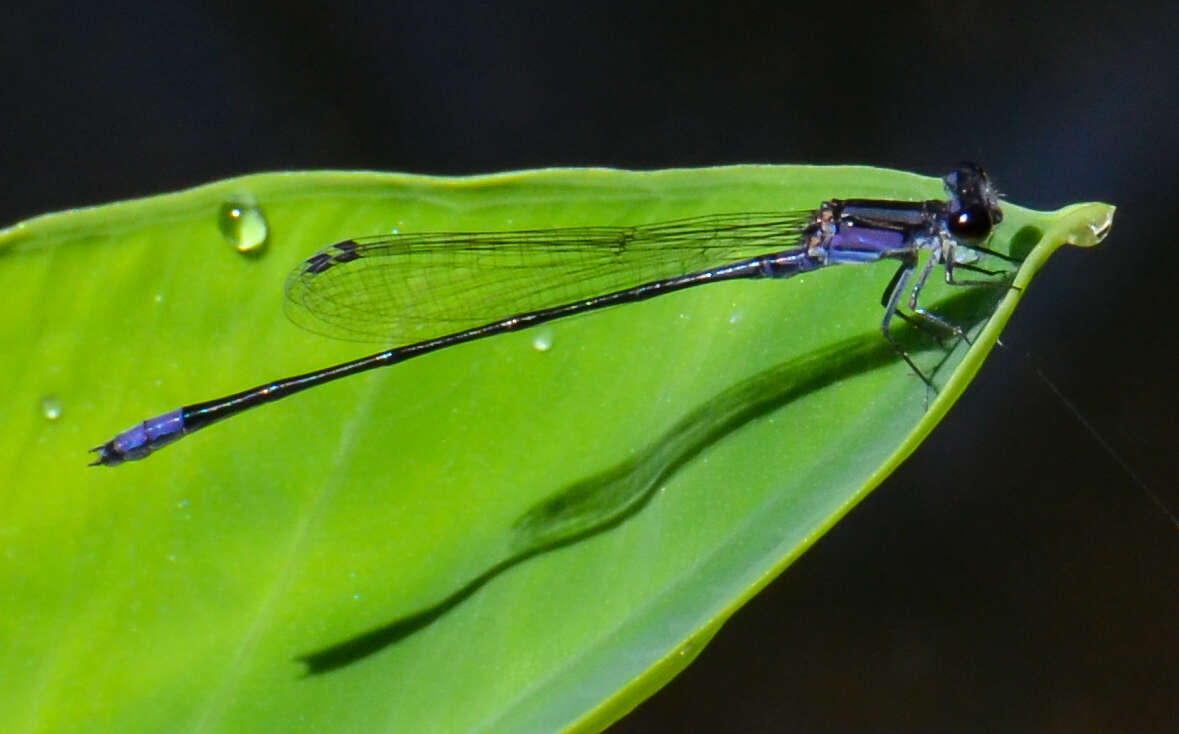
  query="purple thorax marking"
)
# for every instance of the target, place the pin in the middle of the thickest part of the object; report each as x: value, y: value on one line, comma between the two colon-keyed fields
x: 863, y: 244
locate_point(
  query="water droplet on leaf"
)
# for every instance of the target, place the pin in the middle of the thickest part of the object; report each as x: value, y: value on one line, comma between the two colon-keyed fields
x: 243, y: 224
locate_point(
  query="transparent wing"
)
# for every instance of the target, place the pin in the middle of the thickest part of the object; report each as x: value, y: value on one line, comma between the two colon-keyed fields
x: 409, y: 287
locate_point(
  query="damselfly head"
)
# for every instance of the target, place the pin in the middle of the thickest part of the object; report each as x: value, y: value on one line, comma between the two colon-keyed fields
x: 974, y: 202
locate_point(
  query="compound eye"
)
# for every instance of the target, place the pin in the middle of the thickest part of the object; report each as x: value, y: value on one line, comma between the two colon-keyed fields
x: 970, y: 223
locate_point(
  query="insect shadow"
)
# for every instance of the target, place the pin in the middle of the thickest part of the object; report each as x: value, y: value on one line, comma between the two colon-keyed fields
x: 604, y: 500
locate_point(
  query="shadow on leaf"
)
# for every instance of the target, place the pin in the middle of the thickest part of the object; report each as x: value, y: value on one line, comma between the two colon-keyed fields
x: 604, y: 500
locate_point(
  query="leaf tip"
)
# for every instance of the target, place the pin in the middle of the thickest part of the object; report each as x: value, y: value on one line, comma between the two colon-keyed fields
x: 1086, y: 225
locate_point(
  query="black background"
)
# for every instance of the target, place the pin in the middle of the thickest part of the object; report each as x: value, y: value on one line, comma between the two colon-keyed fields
x: 1010, y: 577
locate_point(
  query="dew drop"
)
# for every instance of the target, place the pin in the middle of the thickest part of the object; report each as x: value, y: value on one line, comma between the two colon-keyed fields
x: 243, y: 224
x: 51, y: 407
x: 542, y: 341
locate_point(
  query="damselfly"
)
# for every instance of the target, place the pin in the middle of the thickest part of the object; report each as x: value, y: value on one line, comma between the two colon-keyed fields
x: 434, y: 290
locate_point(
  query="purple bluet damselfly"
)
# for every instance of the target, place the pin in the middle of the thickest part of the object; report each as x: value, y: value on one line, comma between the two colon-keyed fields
x: 430, y: 291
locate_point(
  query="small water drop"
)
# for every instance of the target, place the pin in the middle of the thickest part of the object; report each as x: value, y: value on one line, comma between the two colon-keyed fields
x: 182, y: 504
x: 542, y: 341
x: 159, y: 298
x: 736, y: 317
x: 243, y: 224
x: 51, y: 407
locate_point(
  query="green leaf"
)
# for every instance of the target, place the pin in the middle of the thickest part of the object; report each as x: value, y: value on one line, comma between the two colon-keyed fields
x: 528, y: 533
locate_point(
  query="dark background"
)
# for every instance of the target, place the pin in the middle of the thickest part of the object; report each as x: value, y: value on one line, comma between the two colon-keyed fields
x: 1010, y: 577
